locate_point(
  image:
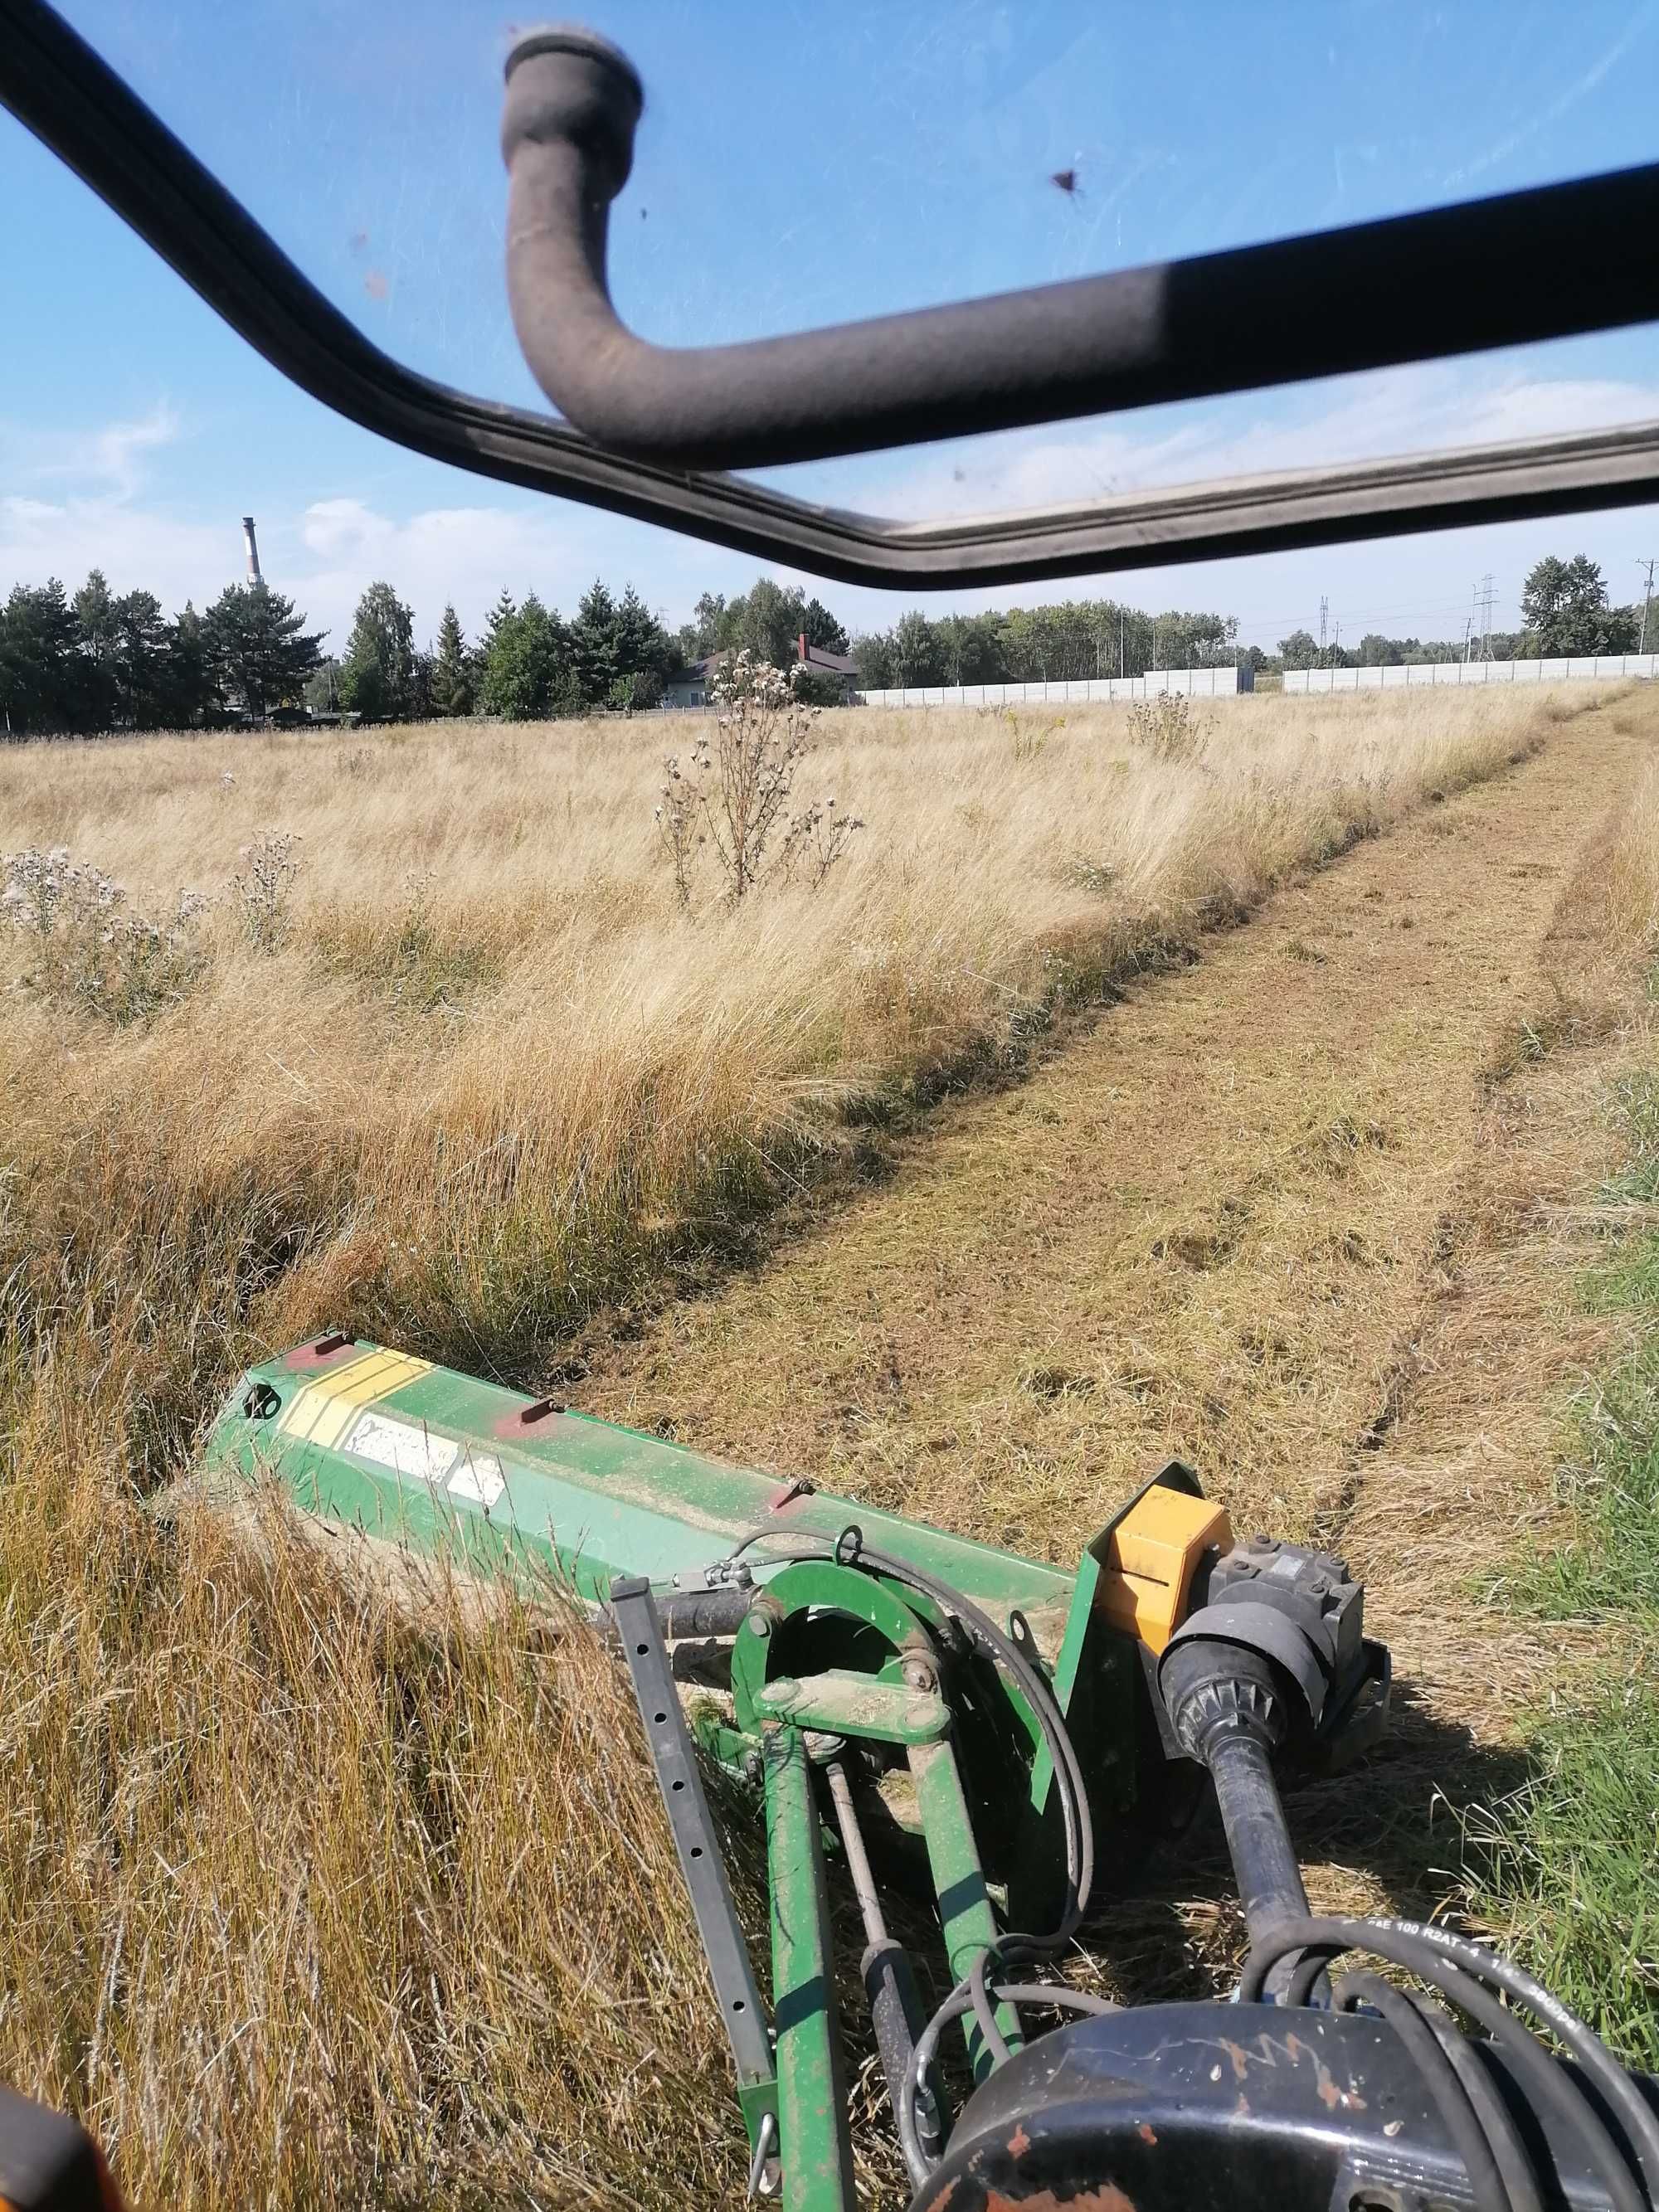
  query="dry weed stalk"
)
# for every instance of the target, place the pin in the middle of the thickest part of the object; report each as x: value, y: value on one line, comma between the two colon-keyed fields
x: 732, y: 795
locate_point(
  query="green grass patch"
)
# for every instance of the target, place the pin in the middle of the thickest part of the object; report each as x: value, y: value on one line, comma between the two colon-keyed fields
x: 1568, y: 1867
x: 424, y: 963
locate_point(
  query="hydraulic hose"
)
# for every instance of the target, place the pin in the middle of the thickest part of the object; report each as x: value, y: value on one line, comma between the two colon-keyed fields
x: 1451, y: 1964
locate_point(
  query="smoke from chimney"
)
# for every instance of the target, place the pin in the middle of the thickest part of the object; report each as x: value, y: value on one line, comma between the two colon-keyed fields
x: 253, y: 575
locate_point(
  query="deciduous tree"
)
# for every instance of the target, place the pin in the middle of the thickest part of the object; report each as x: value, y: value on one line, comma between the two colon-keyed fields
x: 1565, y: 604
x: 522, y: 660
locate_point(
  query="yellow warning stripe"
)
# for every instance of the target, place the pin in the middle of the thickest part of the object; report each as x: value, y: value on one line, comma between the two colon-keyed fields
x: 323, y: 1411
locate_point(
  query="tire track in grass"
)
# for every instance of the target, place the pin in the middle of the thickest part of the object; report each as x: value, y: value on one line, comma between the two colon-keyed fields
x: 1205, y: 1229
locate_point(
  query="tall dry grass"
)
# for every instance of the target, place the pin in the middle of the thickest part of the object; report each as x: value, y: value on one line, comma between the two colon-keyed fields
x: 1630, y: 890
x: 301, y: 1907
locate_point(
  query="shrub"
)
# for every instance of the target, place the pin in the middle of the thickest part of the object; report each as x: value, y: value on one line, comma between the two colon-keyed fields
x: 93, y: 950
x: 814, y: 689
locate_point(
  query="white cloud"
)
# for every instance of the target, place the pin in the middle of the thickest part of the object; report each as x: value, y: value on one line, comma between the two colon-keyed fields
x: 470, y: 554
x: 108, y: 459
x: 1397, y: 411
x: 135, y: 547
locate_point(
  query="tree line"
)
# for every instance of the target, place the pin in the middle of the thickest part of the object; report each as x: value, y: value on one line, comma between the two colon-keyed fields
x: 528, y: 663
x: 1080, y: 638
x: 98, y: 662
x: 1564, y: 610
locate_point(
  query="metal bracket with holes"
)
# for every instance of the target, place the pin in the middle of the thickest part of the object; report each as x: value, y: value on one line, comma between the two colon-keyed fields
x: 702, y: 1863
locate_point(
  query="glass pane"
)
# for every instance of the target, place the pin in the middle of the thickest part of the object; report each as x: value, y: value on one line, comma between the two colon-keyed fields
x: 809, y: 165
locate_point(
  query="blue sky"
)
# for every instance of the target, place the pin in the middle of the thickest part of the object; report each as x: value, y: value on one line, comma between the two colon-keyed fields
x: 795, y: 165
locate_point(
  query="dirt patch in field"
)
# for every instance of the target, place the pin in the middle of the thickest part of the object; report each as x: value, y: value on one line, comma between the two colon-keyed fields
x: 1303, y: 1215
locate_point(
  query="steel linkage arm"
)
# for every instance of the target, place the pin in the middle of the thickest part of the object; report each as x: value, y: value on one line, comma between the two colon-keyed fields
x: 697, y: 1844
x: 817, y: 2145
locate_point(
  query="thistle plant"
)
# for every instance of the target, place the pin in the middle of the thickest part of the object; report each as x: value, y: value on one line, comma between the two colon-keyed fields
x: 261, y: 887
x: 1169, y: 726
x: 731, y: 796
x: 93, y: 950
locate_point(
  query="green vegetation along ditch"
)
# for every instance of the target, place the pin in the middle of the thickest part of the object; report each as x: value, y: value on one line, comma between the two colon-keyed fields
x: 1568, y: 1868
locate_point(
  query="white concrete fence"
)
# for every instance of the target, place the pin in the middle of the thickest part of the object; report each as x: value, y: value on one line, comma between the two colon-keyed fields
x: 1066, y: 691
x: 1602, y: 664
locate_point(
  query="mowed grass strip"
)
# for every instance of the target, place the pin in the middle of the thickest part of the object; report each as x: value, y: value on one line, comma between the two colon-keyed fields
x: 1207, y: 1232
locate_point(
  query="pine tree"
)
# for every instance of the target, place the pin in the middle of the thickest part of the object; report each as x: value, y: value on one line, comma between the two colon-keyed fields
x: 822, y: 629
x: 257, y: 651
x: 40, y: 664
x: 646, y: 655
x: 187, y: 685
x: 94, y: 615
x: 452, y: 669
x: 140, y: 660
x: 593, y: 643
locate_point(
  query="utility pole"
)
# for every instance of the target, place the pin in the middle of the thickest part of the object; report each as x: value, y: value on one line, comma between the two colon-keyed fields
x: 1647, y: 598
x: 1119, y: 642
x: 1468, y: 632
x: 1324, y: 610
x: 1488, y: 593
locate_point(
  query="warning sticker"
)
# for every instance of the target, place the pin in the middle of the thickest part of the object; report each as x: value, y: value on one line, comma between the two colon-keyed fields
x: 478, y: 1477
x: 408, y: 1450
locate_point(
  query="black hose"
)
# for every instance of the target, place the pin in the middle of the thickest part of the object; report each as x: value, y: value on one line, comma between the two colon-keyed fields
x: 1546, y: 2083
x: 1514, y: 2159
x: 1471, y: 2138
x: 1059, y: 1998
x: 1438, y: 1957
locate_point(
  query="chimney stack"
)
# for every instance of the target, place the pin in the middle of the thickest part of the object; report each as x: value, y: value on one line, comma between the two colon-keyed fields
x: 800, y: 645
x: 253, y: 575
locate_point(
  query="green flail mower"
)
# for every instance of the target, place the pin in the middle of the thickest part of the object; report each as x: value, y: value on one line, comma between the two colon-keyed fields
x: 982, y: 1734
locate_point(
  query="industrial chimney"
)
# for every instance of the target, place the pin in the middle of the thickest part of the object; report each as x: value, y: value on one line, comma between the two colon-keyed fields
x: 253, y: 575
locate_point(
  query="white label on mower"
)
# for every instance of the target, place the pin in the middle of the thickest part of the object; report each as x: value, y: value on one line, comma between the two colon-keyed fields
x: 405, y: 1448
x: 478, y: 1477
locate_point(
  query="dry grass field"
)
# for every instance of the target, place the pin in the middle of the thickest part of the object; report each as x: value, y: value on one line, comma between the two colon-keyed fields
x: 301, y: 1908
